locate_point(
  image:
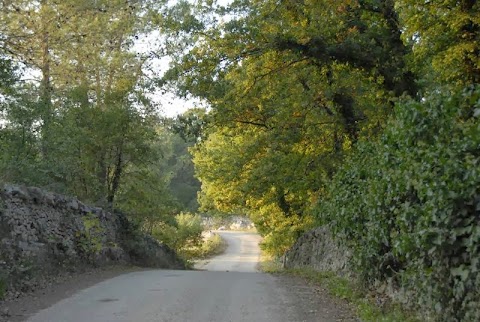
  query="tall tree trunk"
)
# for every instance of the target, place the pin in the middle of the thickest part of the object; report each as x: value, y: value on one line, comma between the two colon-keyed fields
x: 117, y: 173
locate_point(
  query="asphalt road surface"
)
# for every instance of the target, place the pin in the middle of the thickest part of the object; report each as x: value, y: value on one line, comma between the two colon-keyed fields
x: 242, y: 254
x: 227, y: 288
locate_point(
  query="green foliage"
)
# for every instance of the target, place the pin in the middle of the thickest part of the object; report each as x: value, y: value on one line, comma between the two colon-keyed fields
x: 297, y: 91
x: 408, y: 204
x: 87, y: 124
x: 445, y: 38
x: 189, y: 228
x: 184, y: 235
x: 156, y: 190
x: 292, y: 87
x: 8, y: 77
x: 87, y: 128
x: 212, y: 246
x: 145, y: 194
x: 190, y: 125
x: 89, y: 240
x: 279, y: 231
x: 233, y: 167
x: 186, y: 130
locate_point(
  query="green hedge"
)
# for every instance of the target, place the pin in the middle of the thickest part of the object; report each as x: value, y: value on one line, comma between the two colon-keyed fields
x: 408, y: 204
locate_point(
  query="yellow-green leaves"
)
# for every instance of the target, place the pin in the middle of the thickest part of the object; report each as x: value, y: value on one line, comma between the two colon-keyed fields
x: 444, y: 36
x: 292, y: 87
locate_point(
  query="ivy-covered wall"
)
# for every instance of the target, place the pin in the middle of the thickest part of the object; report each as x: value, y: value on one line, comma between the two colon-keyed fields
x: 408, y: 205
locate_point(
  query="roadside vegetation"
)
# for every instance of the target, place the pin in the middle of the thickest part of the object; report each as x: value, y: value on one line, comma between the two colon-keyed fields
x: 211, y: 246
x: 186, y: 237
x: 359, y: 115
x: 77, y: 117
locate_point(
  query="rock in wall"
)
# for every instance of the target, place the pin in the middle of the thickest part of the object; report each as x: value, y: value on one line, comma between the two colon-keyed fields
x: 43, y: 234
x: 318, y: 250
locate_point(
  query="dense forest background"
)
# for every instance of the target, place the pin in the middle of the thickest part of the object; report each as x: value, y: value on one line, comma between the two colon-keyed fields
x: 361, y: 115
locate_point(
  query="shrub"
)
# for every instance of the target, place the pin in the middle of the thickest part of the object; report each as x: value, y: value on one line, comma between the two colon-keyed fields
x: 187, y: 232
x: 214, y: 245
x: 409, y: 205
x: 89, y: 240
x: 189, y: 228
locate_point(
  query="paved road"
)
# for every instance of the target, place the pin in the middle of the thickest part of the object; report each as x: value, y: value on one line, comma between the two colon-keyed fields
x: 204, y: 296
x: 241, y: 255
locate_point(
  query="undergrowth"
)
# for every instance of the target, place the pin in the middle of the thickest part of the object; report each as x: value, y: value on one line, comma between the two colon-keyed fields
x: 408, y: 206
x: 213, y: 245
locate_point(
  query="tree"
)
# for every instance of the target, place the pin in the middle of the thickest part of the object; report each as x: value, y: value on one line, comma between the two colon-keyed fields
x: 445, y: 40
x: 87, y: 118
x: 17, y: 124
x: 292, y: 87
x: 186, y: 129
x: 146, y: 194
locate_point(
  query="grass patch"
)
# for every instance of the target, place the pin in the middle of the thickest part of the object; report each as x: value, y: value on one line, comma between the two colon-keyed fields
x: 363, y: 303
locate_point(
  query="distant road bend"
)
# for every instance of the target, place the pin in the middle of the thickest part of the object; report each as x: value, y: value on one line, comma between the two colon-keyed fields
x: 226, y: 288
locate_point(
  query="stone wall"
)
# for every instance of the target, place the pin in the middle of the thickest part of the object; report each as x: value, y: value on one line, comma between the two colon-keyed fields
x: 43, y: 234
x: 318, y: 250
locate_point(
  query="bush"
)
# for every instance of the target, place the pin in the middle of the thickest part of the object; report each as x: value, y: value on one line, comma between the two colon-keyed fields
x: 187, y: 232
x: 88, y: 240
x: 189, y: 228
x: 409, y: 205
x: 214, y: 245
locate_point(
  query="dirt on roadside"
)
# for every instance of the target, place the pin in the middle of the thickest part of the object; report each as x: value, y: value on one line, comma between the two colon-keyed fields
x: 313, y: 302
x: 21, y: 308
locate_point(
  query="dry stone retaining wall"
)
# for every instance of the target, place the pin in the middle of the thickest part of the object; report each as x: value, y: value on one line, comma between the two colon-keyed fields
x: 43, y: 234
x: 318, y: 250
